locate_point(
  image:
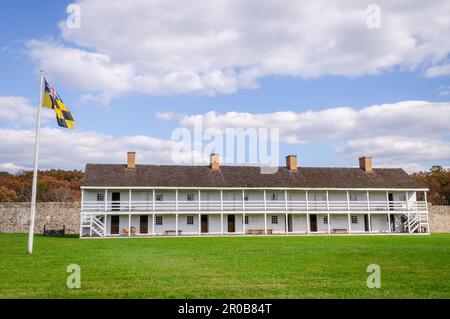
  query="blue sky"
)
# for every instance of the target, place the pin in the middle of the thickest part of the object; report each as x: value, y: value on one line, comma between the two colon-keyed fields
x: 279, y: 87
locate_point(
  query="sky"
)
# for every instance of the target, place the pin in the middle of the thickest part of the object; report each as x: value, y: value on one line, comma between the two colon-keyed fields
x: 335, y: 80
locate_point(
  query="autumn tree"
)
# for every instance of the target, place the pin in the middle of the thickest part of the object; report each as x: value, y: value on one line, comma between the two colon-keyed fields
x: 437, y: 180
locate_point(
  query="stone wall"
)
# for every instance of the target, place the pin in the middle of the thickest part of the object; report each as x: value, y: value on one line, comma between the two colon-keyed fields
x: 439, y: 219
x: 14, y: 217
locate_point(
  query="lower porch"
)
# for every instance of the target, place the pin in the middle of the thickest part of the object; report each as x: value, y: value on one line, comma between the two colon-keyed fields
x: 251, y: 223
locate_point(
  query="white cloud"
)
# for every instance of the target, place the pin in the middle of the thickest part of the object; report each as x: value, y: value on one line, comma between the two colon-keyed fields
x: 213, y: 47
x: 19, y: 111
x: 438, y: 70
x: 72, y: 149
x: 410, y: 117
x: 406, y: 133
x: 11, y: 167
x: 166, y: 116
x: 397, y: 149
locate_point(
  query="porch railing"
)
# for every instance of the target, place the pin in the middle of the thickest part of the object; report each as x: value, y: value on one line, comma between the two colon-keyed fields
x: 260, y: 205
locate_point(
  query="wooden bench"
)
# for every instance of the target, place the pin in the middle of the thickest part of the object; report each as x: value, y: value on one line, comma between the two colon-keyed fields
x: 340, y: 231
x: 259, y: 231
x: 54, y: 232
x: 172, y: 232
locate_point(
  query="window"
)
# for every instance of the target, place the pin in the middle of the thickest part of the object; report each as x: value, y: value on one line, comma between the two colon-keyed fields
x: 246, y: 197
x: 353, y: 197
x: 246, y: 220
x: 100, y: 197
x: 274, y: 219
x: 158, y: 220
x: 190, y: 220
x: 325, y: 220
x: 354, y: 219
x: 159, y: 197
x: 274, y: 197
x: 190, y: 197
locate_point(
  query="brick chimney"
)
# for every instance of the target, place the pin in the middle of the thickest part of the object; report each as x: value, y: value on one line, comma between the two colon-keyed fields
x: 365, y: 163
x: 214, y: 162
x: 291, y: 162
x: 131, y: 160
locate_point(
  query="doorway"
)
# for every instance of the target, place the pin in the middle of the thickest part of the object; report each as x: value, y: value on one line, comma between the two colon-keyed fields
x: 115, y: 197
x: 115, y: 225
x: 391, y: 201
x: 313, y: 223
x: 392, y: 223
x: 204, y: 220
x: 143, y: 224
x: 289, y: 223
x: 231, y: 223
x: 366, y: 222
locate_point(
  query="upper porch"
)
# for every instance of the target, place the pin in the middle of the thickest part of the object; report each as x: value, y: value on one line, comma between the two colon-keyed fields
x: 206, y: 200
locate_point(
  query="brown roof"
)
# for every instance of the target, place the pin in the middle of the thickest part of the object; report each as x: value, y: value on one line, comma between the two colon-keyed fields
x: 116, y: 175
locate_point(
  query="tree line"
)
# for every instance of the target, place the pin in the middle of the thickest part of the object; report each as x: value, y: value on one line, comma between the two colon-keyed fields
x: 53, y: 186
x: 64, y: 186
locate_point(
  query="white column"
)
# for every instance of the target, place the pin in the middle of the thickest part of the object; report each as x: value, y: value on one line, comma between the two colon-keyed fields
x: 348, y: 202
x: 389, y: 222
x: 329, y: 223
x: 90, y: 229
x: 368, y: 201
x: 306, y: 197
x: 199, y: 223
x: 265, y: 202
x: 349, y: 223
x: 243, y: 222
x: 426, y: 201
x: 307, y: 222
x: 129, y: 200
x: 221, y: 223
x: 407, y: 201
x: 387, y: 200
x: 106, y: 200
x: 153, y: 200
x: 243, y: 199
x: 286, y: 223
x: 409, y: 222
x: 389, y: 213
x: 265, y: 220
x: 153, y: 224
x: 104, y: 227
x: 221, y: 200
x: 82, y: 200
x: 129, y: 225
x: 176, y: 200
x: 199, y: 202
x: 328, y: 205
x: 285, y: 200
x: 349, y: 217
x: 370, y: 222
x: 176, y: 224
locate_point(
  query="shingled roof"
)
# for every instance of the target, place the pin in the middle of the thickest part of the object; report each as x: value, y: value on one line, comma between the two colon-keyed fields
x: 116, y: 175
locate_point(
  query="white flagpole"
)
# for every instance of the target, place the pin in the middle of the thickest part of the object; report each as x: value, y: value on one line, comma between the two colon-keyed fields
x: 35, y: 170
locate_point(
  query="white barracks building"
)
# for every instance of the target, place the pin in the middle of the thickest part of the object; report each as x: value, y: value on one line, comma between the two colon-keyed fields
x: 177, y: 200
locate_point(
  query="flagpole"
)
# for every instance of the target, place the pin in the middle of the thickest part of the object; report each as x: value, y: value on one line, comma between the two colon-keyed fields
x: 35, y: 169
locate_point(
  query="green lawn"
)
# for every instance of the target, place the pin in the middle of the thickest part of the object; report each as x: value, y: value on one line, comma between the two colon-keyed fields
x: 227, y: 267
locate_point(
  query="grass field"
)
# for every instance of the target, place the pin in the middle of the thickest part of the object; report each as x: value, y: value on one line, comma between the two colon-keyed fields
x: 227, y: 267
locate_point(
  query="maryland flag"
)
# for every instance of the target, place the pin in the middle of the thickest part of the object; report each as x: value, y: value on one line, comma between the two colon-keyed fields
x: 53, y: 100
